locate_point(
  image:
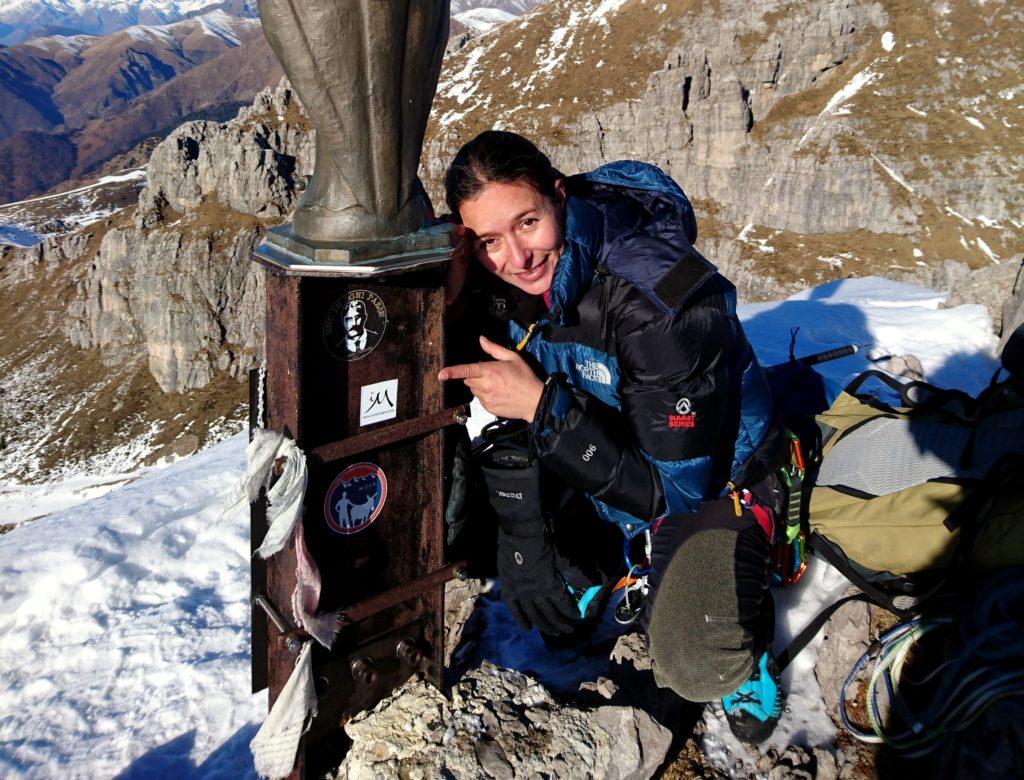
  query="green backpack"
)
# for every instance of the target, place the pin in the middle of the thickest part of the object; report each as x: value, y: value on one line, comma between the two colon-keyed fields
x: 907, y: 498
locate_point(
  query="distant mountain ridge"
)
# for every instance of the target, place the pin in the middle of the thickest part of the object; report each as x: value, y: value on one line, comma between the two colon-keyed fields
x: 72, y: 100
x: 514, y: 7
x: 22, y: 20
x: 101, y: 95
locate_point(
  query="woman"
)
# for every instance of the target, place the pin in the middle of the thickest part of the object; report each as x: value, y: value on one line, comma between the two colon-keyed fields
x: 626, y: 361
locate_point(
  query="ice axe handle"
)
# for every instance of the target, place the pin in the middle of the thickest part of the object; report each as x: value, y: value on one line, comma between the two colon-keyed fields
x: 829, y: 354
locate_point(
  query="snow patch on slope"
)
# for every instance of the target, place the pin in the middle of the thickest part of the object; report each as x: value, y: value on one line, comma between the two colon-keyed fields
x: 23, y: 222
x: 604, y: 9
x: 220, y: 25
x: 124, y: 627
x: 844, y: 95
x: 144, y: 33
x: 483, y: 20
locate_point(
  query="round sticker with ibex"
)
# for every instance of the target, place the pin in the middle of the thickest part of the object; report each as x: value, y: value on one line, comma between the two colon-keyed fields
x: 355, y: 325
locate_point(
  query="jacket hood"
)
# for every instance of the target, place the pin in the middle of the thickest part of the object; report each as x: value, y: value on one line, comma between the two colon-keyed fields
x: 636, y: 222
x: 575, y: 267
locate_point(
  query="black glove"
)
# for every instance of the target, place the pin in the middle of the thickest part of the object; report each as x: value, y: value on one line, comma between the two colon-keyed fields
x: 531, y: 585
x: 530, y: 570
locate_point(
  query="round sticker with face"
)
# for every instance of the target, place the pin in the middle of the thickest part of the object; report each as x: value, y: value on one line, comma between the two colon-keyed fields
x: 355, y: 498
x: 355, y: 325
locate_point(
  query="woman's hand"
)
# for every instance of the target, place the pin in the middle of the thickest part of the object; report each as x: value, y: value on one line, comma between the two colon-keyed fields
x: 458, y: 266
x: 506, y: 386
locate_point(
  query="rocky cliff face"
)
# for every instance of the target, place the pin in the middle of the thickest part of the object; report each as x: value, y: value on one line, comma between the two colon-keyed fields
x: 178, y: 283
x: 144, y: 322
x: 819, y: 139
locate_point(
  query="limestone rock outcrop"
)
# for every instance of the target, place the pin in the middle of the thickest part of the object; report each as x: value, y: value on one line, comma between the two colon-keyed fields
x: 250, y: 164
x: 1013, y: 307
x: 178, y: 285
x: 194, y: 306
x: 500, y: 723
x: 16, y: 264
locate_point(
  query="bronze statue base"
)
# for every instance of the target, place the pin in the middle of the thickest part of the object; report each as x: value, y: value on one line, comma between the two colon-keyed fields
x: 284, y: 251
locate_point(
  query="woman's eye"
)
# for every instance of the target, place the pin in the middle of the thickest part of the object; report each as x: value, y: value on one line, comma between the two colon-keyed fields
x: 529, y: 222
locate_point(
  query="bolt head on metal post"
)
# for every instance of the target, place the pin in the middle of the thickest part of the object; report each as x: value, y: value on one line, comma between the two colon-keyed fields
x: 408, y: 652
x: 363, y: 671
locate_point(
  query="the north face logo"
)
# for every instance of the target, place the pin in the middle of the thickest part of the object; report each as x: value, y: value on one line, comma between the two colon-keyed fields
x: 593, y: 371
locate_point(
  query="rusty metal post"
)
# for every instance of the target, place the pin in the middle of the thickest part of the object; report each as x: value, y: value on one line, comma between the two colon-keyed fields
x: 353, y: 351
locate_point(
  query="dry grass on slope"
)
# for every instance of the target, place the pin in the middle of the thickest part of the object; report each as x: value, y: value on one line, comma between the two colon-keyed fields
x: 560, y: 60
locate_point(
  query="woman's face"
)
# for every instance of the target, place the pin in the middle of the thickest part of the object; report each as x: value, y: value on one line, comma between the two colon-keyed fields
x: 516, y: 232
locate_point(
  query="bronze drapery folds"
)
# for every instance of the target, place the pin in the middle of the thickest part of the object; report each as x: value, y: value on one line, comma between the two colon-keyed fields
x: 366, y: 72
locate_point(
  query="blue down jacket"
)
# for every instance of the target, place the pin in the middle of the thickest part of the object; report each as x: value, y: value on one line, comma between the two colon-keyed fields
x: 654, y: 400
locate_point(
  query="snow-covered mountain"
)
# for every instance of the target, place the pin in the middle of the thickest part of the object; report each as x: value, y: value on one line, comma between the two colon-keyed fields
x: 74, y: 101
x: 480, y: 20
x: 513, y: 7
x: 21, y: 20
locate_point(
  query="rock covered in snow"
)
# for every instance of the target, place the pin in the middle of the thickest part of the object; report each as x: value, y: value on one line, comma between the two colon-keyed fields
x: 500, y: 724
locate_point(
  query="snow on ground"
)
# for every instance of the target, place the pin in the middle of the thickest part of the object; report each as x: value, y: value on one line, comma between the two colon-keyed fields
x: 20, y: 503
x: 124, y: 632
x: 956, y: 346
x: 13, y: 234
x: 135, y: 173
x: 124, y: 620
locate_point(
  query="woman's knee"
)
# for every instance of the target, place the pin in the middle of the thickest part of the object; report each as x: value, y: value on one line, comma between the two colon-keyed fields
x: 712, y: 614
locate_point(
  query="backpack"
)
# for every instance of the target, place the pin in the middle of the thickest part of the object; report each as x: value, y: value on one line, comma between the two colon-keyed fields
x: 906, y: 498
x: 928, y: 495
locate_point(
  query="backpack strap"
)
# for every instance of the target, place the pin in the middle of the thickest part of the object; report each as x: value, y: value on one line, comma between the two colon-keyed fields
x: 916, y: 395
x: 902, y: 604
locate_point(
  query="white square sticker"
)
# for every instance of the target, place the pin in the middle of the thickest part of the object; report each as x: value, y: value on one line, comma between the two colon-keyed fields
x: 378, y: 402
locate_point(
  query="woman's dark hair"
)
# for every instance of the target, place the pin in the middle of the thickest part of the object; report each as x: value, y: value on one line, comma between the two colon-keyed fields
x: 497, y: 156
